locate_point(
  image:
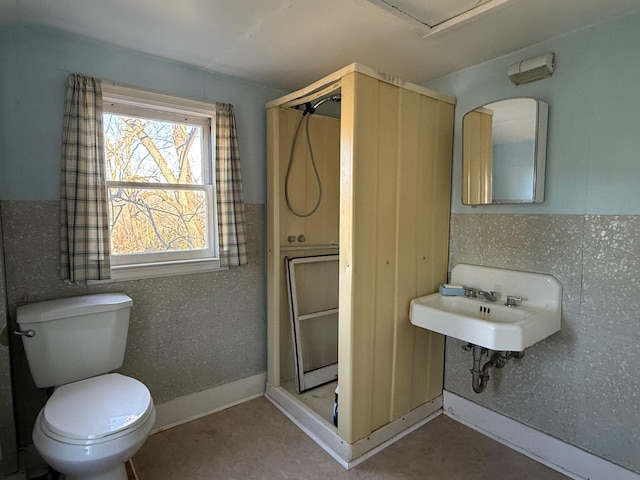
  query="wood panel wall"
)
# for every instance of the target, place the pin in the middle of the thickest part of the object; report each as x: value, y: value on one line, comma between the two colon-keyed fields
x: 395, y: 197
x: 323, y: 226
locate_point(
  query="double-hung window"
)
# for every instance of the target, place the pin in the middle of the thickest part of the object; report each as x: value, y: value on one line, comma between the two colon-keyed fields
x: 160, y: 182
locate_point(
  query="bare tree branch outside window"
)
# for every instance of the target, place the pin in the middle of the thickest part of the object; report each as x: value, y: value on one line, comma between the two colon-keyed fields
x: 160, y: 208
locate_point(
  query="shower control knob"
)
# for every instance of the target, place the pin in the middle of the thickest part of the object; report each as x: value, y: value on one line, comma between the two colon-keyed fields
x: 291, y: 238
x: 301, y: 238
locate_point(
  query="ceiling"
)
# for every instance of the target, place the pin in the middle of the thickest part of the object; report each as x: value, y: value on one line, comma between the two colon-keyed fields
x: 288, y: 44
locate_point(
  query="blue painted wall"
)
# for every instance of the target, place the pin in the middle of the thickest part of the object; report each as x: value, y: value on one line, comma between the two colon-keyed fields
x: 593, y: 154
x: 580, y: 385
x: 35, y: 64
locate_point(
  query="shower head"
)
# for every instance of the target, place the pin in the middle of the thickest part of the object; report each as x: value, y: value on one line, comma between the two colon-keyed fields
x: 311, y: 109
x: 332, y: 98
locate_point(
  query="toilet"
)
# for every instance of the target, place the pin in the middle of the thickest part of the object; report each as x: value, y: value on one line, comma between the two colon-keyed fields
x: 95, y: 420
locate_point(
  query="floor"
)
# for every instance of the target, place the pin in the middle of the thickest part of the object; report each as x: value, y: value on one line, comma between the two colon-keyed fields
x: 53, y: 475
x: 254, y: 440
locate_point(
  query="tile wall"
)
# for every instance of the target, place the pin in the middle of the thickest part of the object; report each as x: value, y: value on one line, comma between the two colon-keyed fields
x: 187, y: 333
x: 580, y: 385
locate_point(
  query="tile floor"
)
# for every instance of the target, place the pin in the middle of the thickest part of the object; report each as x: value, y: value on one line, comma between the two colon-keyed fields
x: 255, y: 440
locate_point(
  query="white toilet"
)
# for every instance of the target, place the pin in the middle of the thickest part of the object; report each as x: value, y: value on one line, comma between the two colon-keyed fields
x: 94, y: 421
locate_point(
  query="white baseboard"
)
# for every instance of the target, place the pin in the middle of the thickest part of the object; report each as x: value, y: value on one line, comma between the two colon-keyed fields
x: 326, y: 435
x: 189, y: 407
x: 567, y: 459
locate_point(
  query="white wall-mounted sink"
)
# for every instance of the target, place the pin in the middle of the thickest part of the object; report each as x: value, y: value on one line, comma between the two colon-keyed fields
x: 501, y: 328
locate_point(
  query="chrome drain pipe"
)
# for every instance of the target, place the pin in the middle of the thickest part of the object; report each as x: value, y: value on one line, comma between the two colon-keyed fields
x: 480, y: 376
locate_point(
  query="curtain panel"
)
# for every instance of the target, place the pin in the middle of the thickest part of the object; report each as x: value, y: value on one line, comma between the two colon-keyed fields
x: 84, y: 225
x: 232, y: 235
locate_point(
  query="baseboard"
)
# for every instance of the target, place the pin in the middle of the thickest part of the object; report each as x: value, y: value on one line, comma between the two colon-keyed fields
x: 567, y: 459
x: 392, y: 432
x: 15, y: 476
x: 190, y: 407
x: 326, y: 435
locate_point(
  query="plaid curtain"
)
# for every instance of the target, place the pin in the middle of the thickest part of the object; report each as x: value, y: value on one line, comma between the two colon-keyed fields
x: 232, y: 235
x: 84, y: 226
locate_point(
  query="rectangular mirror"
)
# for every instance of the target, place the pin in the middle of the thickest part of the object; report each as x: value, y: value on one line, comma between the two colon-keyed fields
x: 504, y: 147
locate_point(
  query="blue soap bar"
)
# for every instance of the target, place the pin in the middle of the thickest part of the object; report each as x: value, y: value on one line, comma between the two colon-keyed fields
x: 451, y: 290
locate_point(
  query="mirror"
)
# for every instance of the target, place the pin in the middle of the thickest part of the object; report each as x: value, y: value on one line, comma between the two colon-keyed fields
x: 504, y: 147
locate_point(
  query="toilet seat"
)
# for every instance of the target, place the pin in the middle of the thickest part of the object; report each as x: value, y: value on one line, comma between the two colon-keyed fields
x: 96, y: 410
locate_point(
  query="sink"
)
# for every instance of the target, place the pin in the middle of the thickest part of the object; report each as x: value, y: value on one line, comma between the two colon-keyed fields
x: 503, y: 328
x: 493, y: 325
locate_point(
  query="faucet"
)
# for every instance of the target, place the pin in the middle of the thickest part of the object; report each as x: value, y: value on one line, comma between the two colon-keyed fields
x: 512, y: 301
x: 490, y: 296
x: 470, y: 292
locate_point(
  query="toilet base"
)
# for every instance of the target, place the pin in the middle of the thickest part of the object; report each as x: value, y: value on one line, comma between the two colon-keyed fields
x: 118, y: 473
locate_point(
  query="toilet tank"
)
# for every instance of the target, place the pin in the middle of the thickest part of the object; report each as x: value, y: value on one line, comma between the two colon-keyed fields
x: 74, y: 338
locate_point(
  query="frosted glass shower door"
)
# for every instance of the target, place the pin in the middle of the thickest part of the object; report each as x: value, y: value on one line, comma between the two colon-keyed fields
x: 313, y: 301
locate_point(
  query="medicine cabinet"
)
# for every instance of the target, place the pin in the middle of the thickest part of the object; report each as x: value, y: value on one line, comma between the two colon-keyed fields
x: 504, y: 147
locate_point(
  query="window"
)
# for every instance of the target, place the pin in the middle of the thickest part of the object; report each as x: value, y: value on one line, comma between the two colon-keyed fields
x: 159, y: 173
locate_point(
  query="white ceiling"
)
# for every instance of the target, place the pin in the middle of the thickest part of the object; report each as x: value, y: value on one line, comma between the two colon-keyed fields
x: 288, y: 44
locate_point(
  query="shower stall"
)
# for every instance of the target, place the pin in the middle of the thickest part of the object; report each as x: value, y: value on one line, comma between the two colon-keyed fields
x: 359, y: 175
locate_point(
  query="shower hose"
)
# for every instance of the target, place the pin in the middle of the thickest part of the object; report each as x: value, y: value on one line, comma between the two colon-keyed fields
x: 313, y: 164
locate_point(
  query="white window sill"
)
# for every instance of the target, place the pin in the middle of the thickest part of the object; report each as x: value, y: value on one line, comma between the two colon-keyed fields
x: 122, y: 273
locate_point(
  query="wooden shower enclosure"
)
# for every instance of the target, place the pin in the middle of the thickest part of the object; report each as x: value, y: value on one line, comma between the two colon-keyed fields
x: 386, y: 204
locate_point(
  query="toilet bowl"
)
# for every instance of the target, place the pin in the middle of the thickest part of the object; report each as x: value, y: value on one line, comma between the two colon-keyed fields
x: 90, y: 428
x: 94, y: 421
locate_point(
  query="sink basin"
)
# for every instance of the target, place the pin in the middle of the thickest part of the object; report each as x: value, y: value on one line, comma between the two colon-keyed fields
x: 502, y: 328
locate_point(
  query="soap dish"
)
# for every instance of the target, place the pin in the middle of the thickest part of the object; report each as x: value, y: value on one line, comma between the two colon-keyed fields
x: 449, y: 290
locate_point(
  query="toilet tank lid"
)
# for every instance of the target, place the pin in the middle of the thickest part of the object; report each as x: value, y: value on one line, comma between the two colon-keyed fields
x: 72, y: 307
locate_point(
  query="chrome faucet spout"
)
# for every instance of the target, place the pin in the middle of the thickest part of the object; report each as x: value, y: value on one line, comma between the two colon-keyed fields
x: 490, y: 296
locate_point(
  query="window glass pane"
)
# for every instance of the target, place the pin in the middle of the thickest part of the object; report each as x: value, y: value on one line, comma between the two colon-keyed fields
x: 146, y: 220
x: 147, y: 150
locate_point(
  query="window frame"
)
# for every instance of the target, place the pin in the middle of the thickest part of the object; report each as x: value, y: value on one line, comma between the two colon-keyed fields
x: 129, y: 101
